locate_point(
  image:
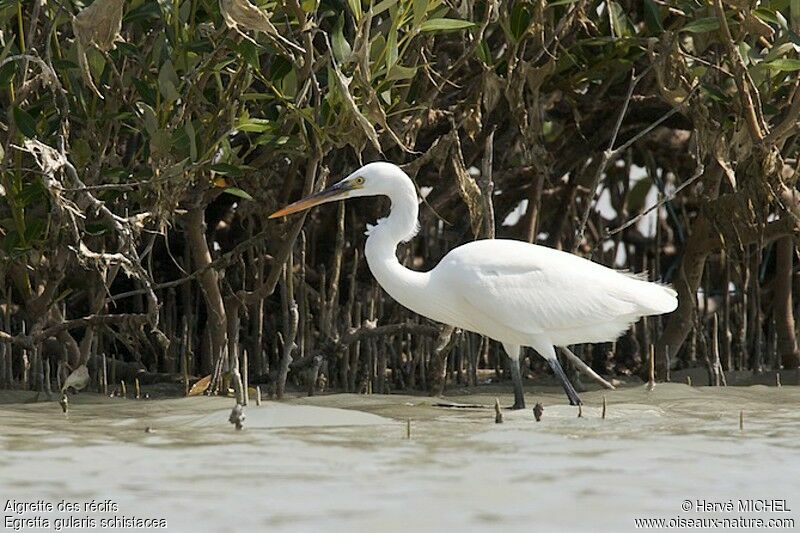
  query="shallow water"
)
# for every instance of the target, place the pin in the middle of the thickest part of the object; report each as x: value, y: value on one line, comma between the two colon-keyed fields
x: 343, y: 462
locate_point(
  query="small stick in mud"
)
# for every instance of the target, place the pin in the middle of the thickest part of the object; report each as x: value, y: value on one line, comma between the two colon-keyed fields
x: 603, y: 414
x: 741, y: 420
x: 538, y: 409
x: 689, y: 380
x: 105, y: 375
x: 245, y: 378
x: 651, y: 382
x: 777, y: 379
x: 237, y: 416
x: 138, y: 388
x: 258, y: 394
x: 124, y: 390
x: 64, y: 402
x: 408, y: 428
x: 498, y: 414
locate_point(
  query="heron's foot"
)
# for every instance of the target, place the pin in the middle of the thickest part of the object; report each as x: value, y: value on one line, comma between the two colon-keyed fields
x: 574, y: 399
x: 518, y: 404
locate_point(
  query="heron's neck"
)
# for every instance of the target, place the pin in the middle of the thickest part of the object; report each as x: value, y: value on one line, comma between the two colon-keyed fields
x: 381, y: 248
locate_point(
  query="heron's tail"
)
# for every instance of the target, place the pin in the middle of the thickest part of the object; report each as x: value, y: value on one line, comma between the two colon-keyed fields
x: 657, y: 298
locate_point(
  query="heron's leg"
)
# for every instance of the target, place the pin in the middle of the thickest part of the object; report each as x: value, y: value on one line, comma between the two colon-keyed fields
x: 519, y: 394
x: 546, y: 350
x: 513, y: 352
x: 574, y: 399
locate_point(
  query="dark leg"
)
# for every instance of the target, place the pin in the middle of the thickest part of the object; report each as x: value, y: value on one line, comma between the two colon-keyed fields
x: 516, y: 376
x: 559, y: 372
x: 513, y: 352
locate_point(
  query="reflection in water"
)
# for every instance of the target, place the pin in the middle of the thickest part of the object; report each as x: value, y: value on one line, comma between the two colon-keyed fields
x: 342, y: 462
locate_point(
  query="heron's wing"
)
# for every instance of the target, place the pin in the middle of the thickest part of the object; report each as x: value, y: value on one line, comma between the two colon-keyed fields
x: 535, y: 290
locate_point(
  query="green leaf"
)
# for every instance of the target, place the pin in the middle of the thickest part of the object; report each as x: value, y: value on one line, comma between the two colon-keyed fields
x: 255, y: 125
x: 97, y: 63
x: 483, y: 52
x: 341, y: 48
x: 355, y: 7
x: 279, y: 68
x: 714, y: 93
x: 787, y: 65
x: 149, y: 117
x: 619, y: 21
x: 11, y: 241
x: 520, y: 20
x: 31, y: 193
x: 794, y: 15
x: 560, y: 2
x: 192, y: 136
x: 160, y: 143
x: 776, y: 52
x: 444, y: 24
x: 25, y: 123
x: 399, y: 72
x: 34, y: 228
x: 380, y: 7
x: 81, y: 152
x: 115, y: 175
x: 744, y: 51
x: 289, y: 84
x: 238, y: 192
x: 65, y: 64
x: 168, y: 82
x: 249, y: 52
x: 766, y: 15
x: 703, y: 25
x: 228, y: 169
x: 420, y: 10
x: 652, y: 17
x: 145, y: 91
x: 7, y: 72
x: 391, y: 48
x: 200, y: 47
x: 126, y: 49
x: 143, y: 12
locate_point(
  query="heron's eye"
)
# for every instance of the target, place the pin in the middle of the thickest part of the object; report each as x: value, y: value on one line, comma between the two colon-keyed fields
x: 358, y: 181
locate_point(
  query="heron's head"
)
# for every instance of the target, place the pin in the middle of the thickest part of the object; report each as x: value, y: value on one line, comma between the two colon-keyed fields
x: 373, y: 179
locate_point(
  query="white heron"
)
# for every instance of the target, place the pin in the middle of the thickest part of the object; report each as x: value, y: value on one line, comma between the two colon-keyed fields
x: 517, y: 293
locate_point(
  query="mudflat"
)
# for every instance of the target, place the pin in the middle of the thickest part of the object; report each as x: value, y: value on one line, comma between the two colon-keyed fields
x: 343, y: 461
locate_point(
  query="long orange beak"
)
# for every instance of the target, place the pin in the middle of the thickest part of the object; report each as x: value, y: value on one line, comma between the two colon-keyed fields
x: 332, y: 193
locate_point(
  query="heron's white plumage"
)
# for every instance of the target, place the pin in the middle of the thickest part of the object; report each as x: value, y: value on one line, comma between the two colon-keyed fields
x: 514, y: 292
x: 534, y: 291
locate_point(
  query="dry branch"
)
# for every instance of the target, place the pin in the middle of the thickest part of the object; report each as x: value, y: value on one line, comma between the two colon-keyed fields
x: 129, y: 321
